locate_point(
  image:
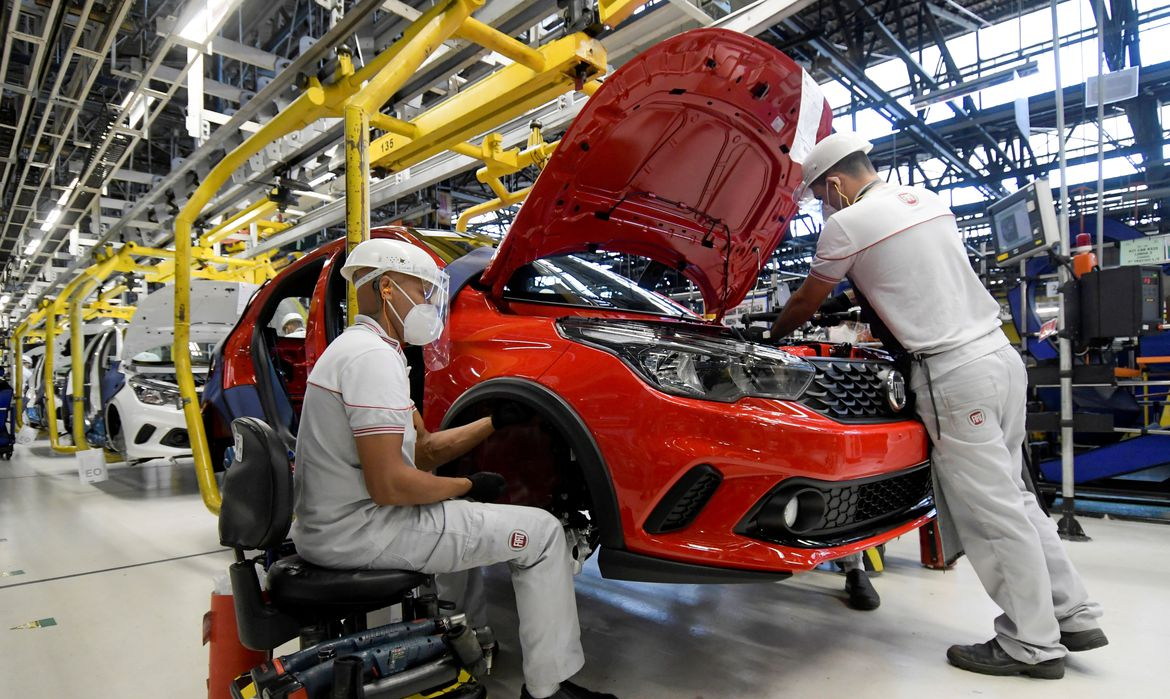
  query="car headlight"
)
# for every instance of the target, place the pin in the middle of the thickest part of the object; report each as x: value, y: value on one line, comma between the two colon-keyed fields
x: 691, y: 363
x: 153, y: 393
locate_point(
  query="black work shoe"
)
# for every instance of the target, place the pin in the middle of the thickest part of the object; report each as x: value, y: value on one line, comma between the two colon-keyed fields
x: 862, y: 596
x: 569, y: 690
x: 991, y: 659
x: 1077, y: 641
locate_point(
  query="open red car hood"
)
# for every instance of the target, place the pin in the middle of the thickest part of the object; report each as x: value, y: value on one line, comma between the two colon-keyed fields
x: 682, y: 156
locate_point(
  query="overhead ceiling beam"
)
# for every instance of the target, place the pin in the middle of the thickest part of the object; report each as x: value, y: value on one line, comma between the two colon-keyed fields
x: 211, y: 87
x: 229, y: 135
x: 694, y: 12
x: 898, y: 116
x: 231, y: 49
x: 135, y: 176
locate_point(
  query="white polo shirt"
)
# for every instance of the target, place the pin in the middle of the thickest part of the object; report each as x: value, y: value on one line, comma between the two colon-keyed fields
x: 359, y: 386
x: 900, y: 247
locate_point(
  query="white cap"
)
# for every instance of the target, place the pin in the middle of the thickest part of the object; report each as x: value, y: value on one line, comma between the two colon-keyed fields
x: 383, y: 255
x: 290, y: 317
x: 829, y: 151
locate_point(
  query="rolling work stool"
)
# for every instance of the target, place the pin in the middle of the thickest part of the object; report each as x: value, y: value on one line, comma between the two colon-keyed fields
x: 304, y: 600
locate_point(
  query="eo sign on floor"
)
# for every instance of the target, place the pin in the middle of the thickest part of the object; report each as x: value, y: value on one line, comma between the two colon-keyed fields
x: 91, y: 466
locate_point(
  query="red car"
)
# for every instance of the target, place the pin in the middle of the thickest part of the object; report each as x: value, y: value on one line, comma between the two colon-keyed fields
x: 687, y: 453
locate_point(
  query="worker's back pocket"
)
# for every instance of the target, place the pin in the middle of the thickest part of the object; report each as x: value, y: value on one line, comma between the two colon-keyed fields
x: 967, y: 390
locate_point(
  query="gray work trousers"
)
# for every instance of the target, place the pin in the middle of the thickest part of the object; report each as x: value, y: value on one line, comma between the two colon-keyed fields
x: 454, y: 539
x: 853, y: 561
x: 1012, y: 545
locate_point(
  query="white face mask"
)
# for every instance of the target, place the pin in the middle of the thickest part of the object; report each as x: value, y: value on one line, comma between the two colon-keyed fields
x: 422, y: 324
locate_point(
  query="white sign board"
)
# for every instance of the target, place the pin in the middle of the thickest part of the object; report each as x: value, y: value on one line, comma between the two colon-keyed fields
x: 91, y: 466
x: 1154, y: 250
x: 1117, y: 86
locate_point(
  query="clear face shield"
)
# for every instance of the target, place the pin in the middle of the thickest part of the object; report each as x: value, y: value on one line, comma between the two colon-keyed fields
x: 804, y: 199
x: 425, y: 324
x: 808, y: 202
x: 437, y: 353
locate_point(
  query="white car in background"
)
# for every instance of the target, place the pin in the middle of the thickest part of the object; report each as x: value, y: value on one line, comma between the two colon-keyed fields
x: 144, y: 418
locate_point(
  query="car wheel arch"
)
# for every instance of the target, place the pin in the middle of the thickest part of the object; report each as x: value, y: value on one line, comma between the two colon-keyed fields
x: 565, y: 419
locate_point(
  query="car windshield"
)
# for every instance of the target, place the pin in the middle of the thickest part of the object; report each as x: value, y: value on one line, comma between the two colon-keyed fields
x: 161, y: 356
x: 567, y: 279
x: 451, y: 246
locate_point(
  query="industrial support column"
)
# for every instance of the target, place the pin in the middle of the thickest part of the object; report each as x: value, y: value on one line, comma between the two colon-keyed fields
x: 357, y: 189
x: 77, y: 347
x: 77, y: 368
x: 18, y: 375
x: 1069, y: 527
x: 50, y: 381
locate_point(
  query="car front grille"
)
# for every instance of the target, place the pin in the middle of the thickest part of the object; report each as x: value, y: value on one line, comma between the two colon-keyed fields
x: 851, y: 391
x: 854, y: 505
x: 854, y: 510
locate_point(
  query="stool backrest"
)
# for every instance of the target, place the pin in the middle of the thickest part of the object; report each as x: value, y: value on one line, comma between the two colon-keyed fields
x: 257, y: 489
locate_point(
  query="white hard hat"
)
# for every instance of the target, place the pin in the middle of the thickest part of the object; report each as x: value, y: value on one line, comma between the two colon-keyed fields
x: 384, y: 255
x: 829, y: 151
x: 290, y: 317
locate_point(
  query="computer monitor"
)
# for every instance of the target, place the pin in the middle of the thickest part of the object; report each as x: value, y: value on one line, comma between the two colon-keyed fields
x: 1023, y: 223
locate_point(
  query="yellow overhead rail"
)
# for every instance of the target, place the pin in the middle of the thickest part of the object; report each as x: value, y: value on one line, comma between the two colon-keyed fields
x: 253, y: 213
x: 614, y: 12
x: 537, y: 76
x: 500, y: 163
x: 510, y: 93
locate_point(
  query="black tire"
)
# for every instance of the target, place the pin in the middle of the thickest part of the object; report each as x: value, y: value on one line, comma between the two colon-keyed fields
x: 115, y: 436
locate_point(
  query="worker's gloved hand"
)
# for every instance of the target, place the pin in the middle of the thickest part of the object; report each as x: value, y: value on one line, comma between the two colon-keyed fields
x: 837, y: 304
x: 755, y: 333
x: 507, y: 413
x: 486, y: 486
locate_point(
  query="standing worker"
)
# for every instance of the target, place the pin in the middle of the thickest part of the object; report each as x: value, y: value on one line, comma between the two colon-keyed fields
x: 901, y: 248
x: 365, y: 499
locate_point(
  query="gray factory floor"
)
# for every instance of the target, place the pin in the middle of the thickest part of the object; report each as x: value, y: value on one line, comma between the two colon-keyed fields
x: 118, y: 575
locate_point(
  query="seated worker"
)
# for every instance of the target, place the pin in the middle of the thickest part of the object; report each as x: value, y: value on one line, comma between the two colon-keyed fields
x: 365, y: 498
x: 292, y: 325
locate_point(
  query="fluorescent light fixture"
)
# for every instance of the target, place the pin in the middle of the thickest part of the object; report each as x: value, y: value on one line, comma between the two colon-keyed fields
x: 327, y: 177
x: 314, y: 195
x: 51, y: 219
x: 137, y: 110
x: 68, y: 190
x: 967, y: 87
x: 32, y: 246
x: 200, y: 27
x: 5, y: 298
